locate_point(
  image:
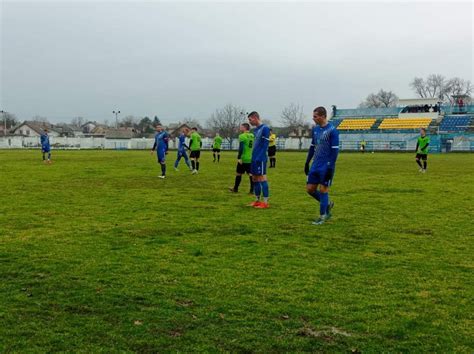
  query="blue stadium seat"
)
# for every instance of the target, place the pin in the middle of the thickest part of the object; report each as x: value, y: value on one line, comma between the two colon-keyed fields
x: 455, y: 123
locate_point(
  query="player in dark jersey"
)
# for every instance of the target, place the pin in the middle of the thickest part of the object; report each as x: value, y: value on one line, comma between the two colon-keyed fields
x: 259, y: 161
x: 422, y: 147
x: 161, y: 146
x: 323, y: 151
x: 195, y: 144
x: 244, y: 157
x: 182, y: 151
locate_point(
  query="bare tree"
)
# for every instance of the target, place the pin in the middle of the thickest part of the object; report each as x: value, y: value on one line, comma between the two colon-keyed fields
x: 192, y: 122
x: 40, y: 119
x: 437, y: 86
x: 8, y: 121
x: 458, y: 87
x: 129, y: 122
x: 380, y: 99
x: 226, y: 121
x: 292, y: 118
x: 78, y: 121
x: 267, y: 122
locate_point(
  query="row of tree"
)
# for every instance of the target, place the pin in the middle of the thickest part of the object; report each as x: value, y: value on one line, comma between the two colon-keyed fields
x: 434, y: 86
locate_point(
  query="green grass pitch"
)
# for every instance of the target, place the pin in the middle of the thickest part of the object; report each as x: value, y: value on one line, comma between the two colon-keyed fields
x: 97, y: 254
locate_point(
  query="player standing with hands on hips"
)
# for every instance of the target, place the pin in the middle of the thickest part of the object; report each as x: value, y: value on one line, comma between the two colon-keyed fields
x: 161, y: 146
x: 323, y: 151
x: 422, y: 147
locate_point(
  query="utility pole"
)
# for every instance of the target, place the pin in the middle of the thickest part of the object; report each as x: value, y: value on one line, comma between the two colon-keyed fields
x: 4, y: 122
x: 116, y: 119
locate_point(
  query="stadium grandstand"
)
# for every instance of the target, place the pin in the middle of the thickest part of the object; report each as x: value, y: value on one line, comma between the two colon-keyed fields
x: 451, y: 127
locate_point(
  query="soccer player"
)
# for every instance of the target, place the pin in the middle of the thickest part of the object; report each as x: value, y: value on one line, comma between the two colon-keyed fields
x: 422, y: 147
x: 259, y: 161
x: 272, y: 150
x: 182, y: 151
x: 244, y: 157
x: 161, y: 146
x: 362, y: 145
x: 323, y: 151
x: 216, y: 147
x: 45, y: 146
x: 195, y: 145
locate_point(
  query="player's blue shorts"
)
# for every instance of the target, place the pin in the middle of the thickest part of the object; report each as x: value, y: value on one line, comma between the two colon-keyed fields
x: 46, y: 148
x: 161, y: 154
x: 318, y: 175
x: 258, y: 168
x: 182, y: 153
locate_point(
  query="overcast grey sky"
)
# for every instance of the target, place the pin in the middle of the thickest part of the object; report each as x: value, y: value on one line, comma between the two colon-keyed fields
x: 62, y: 60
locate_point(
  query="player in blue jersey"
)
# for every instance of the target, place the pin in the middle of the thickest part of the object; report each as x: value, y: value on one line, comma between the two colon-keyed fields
x: 323, y: 151
x: 182, y: 150
x: 161, y: 146
x: 45, y: 146
x: 258, y: 168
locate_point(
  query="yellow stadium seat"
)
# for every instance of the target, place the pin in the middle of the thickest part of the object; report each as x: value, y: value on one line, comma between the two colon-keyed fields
x: 356, y: 124
x: 405, y: 123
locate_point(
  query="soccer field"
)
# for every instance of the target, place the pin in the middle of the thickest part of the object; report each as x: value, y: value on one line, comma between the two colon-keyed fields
x: 97, y: 253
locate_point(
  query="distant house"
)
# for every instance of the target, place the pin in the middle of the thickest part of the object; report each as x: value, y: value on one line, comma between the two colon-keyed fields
x: 88, y: 127
x: 175, y: 129
x: 120, y: 133
x: 68, y: 130
x: 300, y: 131
x: 30, y: 128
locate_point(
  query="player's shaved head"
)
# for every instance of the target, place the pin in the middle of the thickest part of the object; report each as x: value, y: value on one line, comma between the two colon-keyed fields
x: 254, y: 118
x: 320, y: 111
x: 253, y: 114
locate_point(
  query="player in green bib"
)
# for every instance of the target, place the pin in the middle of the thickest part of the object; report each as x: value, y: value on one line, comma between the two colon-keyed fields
x: 422, y: 148
x: 244, y: 157
x: 195, y: 144
x: 216, y: 147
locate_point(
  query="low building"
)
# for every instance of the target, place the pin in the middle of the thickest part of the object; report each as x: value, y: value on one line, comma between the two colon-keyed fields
x: 30, y: 128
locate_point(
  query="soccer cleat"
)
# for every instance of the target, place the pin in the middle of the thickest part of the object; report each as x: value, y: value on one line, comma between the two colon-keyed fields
x: 321, y: 220
x: 194, y: 172
x: 330, y: 207
x: 420, y: 170
x: 176, y: 169
x: 255, y: 203
x: 262, y: 205
x: 162, y: 177
x: 423, y: 171
x: 232, y: 190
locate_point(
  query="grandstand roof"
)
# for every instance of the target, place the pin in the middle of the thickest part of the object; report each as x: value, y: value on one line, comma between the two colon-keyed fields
x: 417, y: 101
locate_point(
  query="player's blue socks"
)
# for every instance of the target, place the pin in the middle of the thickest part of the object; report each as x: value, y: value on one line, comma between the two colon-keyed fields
x: 257, y: 188
x: 324, y: 202
x: 176, y: 164
x: 265, y: 189
x: 187, y: 163
x: 316, y: 195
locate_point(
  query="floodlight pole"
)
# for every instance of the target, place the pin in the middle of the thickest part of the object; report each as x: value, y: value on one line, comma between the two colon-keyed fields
x: 116, y: 119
